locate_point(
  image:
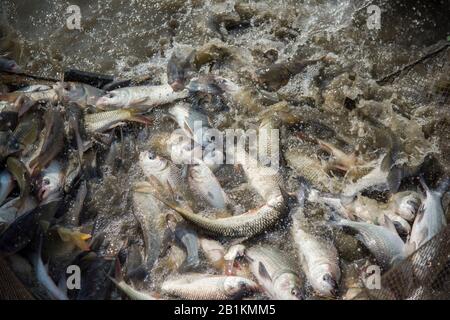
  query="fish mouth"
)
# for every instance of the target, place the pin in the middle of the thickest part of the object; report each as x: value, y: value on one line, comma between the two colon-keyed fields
x: 43, y: 193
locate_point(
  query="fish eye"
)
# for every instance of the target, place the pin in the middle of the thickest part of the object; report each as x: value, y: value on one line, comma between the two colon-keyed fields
x: 46, y: 181
x: 151, y: 155
x: 295, y: 292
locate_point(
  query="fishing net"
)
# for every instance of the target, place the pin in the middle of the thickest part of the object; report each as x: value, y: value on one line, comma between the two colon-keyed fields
x: 424, y: 275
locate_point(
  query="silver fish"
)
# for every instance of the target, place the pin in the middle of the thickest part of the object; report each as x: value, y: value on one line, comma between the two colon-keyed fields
x: 319, y: 260
x: 205, y: 184
x: 207, y: 286
x: 144, y: 97
x: 275, y: 273
x: 383, y: 242
x: 430, y: 219
x: 44, y: 278
x: 6, y: 185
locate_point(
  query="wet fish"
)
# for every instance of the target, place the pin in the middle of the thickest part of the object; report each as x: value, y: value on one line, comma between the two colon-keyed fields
x: 361, y: 208
x: 103, y: 121
x: 319, y: 260
x: 6, y: 185
x: 209, y: 287
x: 265, y: 180
x: 311, y: 169
x: 214, y: 252
x: 24, y: 135
x: 180, y: 68
x: 189, y: 239
x: 149, y: 213
x: 405, y: 204
x: 245, y: 225
x: 164, y: 171
x: 430, y: 219
x: 21, y: 175
x: 275, y: 273
x: 141, y: 97
x: 43, y: 276
x: 10, y: 65
x: 382, y: 241
x: 82, y: 94
x: 9, y: 116
x: 204, y: 183
x: 278, y: 74
x: 51, y: 182
x: 51, y: 141
x: 191, y: 121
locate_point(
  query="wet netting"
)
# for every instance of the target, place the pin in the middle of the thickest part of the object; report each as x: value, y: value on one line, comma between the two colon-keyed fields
x: 424, y: 275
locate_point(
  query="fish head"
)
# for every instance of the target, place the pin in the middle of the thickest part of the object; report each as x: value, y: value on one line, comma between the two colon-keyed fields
x: 111, y: 99
x: 51, y: 181
x: 287, y: 287
x: 236, y: 286
x: 407, y: 205
x: 10, y: 65
x: 151, y: 163
x: 325, y: 284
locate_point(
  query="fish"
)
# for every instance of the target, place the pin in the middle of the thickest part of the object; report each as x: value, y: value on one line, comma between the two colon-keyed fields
x: 204, y: 183
x: 9, y: 116
x: 149, y: 213
x: 312, y: 170
x: 43, y: 277
x: 244, y: 98
x: 265, y: 180
x: 275, y: 273
x: 72, y: 217
x: 51, y: 141
x: 51, y: 182
x: 24, y: 135
x: 9, y: 65
x: 6, y: 185
x: 81, y: 94
x: 103, y: 121
x: 405, y: 204
x: 189, y: 239
x: 382, y: 241
x: 34, y: 88
x: 164, y: 171
x: 180, y: 69
x: 18, y: 169
x: 361, y: 208
x: 245, y: 225
x: 140, y: 97
x: 25, y: 227
x: 196, y: 286
x: 214, y: 252
x: 430, y: 219
x: 192, y: 122
x: 319, y: 260
x: 278, y: 74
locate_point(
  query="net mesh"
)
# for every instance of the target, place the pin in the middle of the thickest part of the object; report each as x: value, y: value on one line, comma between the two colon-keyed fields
x: 423, y: 275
